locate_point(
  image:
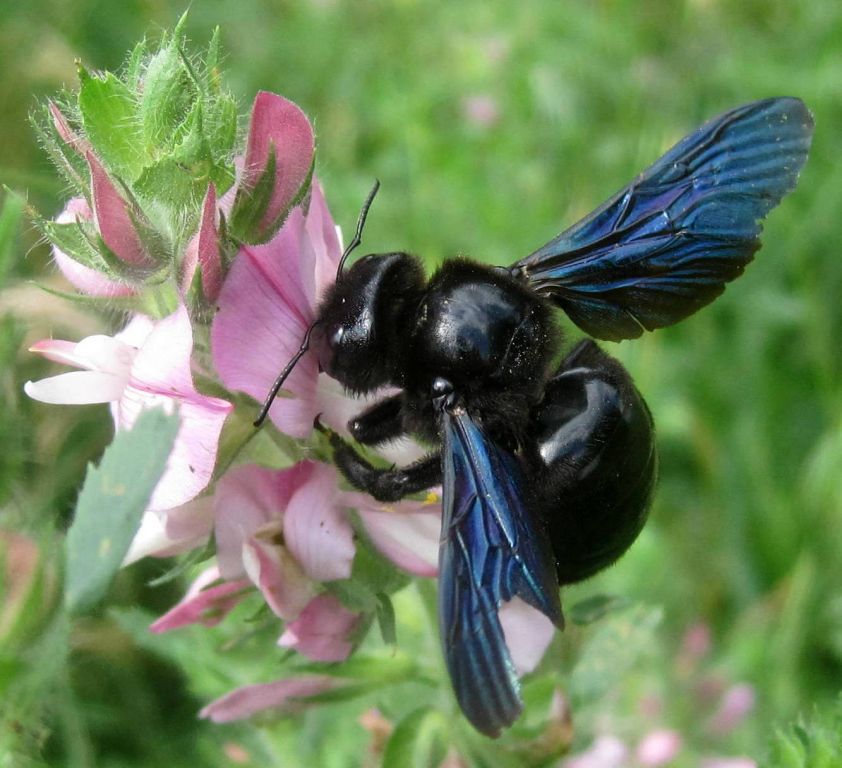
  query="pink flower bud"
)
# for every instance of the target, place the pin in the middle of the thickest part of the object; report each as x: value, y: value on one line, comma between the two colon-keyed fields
x: 279, y: 126
x: 111, y: 214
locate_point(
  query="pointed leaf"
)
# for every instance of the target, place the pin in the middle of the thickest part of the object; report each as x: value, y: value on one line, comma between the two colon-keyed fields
x: 418, y: 741
x: 109, y: 115
x: 111, y: 504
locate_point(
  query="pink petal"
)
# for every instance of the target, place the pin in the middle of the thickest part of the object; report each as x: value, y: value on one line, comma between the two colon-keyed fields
x: 282, y: 696
x: 316, y: 527
x: 727, y: 762
x: 659, y: 747
x: 249, y: 498
x: 284, y: 586
x: 736, y: 704
x: 322, y: 630
x: 84, y: 278
x: 266, y: 304
x: 605, y: 752
x: 203, y: 604
x: 77, y: 388
x: 278, y: 123
x: 408, y: 533
x: 172, y: 531
x: 112, y: 218
x: 160, y: 376
x: 528, y: 633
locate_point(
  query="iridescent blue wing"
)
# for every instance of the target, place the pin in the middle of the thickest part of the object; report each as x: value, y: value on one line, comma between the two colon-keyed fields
x: 491, y: 551
x: 665, y: 246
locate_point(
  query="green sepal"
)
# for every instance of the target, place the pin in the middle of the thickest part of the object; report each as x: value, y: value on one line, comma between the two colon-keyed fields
x: 110, y: 117
x: 166, y: 99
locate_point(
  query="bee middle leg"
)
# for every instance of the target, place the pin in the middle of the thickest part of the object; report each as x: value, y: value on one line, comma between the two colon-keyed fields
x: 383, y: 484
x: 379, y: 423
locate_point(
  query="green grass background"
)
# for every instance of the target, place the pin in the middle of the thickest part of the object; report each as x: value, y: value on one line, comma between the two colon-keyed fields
x: 746, y: 531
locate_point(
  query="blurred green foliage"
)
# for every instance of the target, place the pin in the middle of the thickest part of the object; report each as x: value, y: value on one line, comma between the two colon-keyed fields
x: 491, y: 126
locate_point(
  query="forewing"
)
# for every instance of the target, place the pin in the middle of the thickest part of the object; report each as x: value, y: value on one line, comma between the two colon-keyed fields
x: 665, y: 246
x: 491, y: 551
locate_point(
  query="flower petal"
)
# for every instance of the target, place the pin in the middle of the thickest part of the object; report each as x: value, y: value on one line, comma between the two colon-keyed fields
x: 266, y: 304
x: 247, y: 499
x: 172, y: 531
x: 112, y: 218
x: 408, y: 533
x: 528, y: 633
x: 316, y: 528
x: 77, y: 388
x: 322, y: 630
x: 281, y: 126
x: 84, y: 278
x: 659, y: 747
x: 203, y: 604
x: 285, y: 587
x: 282, y: 696
x: 605, y: 752
x: 160, y: 376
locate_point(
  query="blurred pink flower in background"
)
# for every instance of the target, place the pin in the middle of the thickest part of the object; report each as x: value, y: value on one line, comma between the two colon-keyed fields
x: 481, y: 110
x: 659, y: 747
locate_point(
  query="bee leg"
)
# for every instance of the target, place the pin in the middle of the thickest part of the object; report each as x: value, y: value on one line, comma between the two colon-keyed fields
x: 383, y: 484
x: 379, y: 423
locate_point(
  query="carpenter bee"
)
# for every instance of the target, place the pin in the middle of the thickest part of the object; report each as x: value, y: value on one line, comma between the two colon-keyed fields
x: 547, y: 469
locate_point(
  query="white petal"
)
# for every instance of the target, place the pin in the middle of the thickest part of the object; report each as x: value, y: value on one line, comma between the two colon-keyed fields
x: 77, y: 388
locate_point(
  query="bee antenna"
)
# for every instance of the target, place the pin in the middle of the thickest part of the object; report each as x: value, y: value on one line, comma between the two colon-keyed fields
x: 360, y: 224
x: 279, y: 382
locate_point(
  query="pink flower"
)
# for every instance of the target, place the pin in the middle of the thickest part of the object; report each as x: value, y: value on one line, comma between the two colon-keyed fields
x: 481, y: 110
x: 266, y: 304
x: 206, y: 602
x: 736, y: 704
x: 528, y: 634
x: 407, y: 533
x: 286, y: 530
x: 145, y: 366
x: 658, y: 747
x: 281, y: 130
x: 606, y: 752
x: 84, y: 278
x: 282, y: 696
x: 728, y: 762
x: 322, y: 631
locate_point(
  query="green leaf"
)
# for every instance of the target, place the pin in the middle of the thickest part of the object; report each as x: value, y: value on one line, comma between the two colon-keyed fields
x: 615, y: 645
x: 110, y: 506
x: 109, y: 115
x: 10, y: 219
x: 171, y: 184
x: 386, y: 619
x: 167, y: 98
x: 816, y: 743
x: 593, y: 608
x: 418, y: 741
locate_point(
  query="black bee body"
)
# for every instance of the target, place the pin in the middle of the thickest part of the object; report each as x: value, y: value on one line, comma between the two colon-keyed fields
x: 547, y: 469
x: 485, y: 340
